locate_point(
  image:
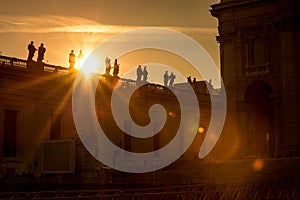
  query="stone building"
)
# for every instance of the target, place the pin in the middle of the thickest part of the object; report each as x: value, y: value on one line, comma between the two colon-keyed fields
x: 35, y: 107
x: 37, y: 129
x: 259, y: 49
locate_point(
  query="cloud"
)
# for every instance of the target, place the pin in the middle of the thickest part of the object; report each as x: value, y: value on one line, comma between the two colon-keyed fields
x: 50, y: 23
x: 72, y: 24
x: 72, y: 32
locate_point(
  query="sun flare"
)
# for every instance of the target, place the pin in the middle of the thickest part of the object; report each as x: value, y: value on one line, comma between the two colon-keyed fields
x: 87, y: 64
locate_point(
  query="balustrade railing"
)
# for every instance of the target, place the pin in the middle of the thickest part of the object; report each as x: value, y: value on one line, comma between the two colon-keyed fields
x: 11, y: 63
x: 256, y: 70
x: 21, y: 64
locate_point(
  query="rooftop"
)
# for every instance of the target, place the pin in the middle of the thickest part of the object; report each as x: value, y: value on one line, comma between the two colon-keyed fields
x: 17, y: 65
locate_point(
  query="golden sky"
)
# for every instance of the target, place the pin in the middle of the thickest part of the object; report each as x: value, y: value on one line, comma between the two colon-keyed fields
x: 82, y: 25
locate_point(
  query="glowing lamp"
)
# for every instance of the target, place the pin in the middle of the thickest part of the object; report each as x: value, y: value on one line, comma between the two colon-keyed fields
x: 201, y: 130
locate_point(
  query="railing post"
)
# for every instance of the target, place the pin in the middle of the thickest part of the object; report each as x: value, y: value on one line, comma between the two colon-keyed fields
x: 37, y: 67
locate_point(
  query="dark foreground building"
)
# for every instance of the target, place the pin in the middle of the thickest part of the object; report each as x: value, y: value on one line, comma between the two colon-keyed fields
x: 42, y: 154
x: 259, y: 43
x: 38, y: 134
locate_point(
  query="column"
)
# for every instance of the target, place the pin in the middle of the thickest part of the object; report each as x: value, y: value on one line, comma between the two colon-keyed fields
x: 276, y: 111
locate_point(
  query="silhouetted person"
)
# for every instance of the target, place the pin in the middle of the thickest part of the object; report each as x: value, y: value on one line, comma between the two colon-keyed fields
x: 116, y: 68
x: 31, y: 50
x: 194, y: 81
x: 145, y: 74
x: 79, y: 58
x: 166, y: 78
x: 41, y: 52
x: 72, y: 59
x: 189, y: 79
x: 108, y: 66
x: 172, y: 78
x: 139, y: 73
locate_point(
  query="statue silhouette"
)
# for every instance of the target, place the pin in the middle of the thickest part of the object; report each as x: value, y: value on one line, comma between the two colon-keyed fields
x: 172, y: 78
x: 79, y: 58
x: 139, y: 73
x: 72, y: 58
x: 145, y: 74
x: 31, y: 51
x: 41, y: 52
x: 189, y: 79
x: 116, y: 68
x: 166, y: 78
x: 108, y: 66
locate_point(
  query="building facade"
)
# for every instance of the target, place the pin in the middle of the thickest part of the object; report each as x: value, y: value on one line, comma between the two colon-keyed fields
x: 38, y: 133
x: 259, y: 52
x: 35, y: 108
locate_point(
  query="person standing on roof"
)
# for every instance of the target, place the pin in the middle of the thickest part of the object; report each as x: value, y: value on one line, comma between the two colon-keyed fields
x: 72, y: 59
x: 31, y: 50
x: 41, y: 52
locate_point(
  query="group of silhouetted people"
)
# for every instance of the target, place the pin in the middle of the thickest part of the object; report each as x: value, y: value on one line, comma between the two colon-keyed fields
x: 41, y: 53
x: 72, y: 58
x: 31, y: 51
x: 189, y: 79
x: 108, y: 67
x: 169, y: 79
x: 142, y: 74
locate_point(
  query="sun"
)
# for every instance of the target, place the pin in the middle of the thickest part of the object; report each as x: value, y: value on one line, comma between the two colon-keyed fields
x: 88, y: 64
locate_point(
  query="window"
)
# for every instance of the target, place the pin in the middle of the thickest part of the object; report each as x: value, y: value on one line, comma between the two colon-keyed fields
x: 55, y: 132
x: 127, y: 138
x: 258, y: 54
x: 255, y: 48
x: 10, y: 133
x: 156, y: 144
